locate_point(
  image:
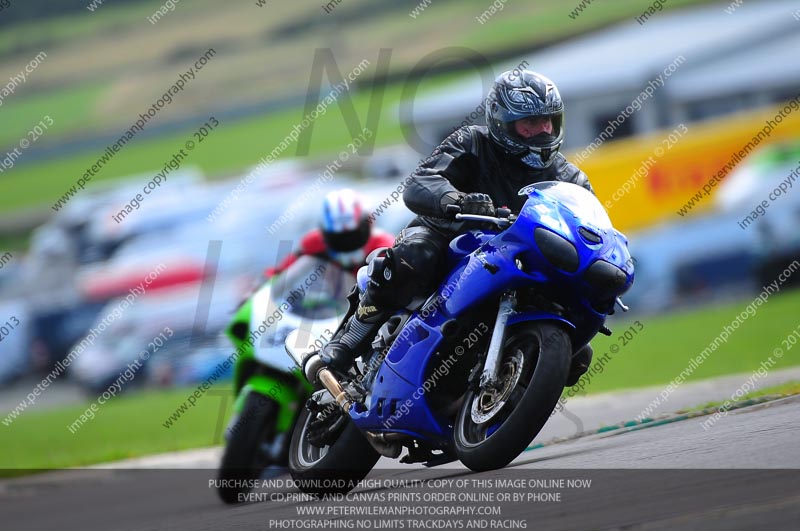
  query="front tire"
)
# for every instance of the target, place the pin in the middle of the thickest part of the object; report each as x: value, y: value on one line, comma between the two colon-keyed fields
x: 244, y: 458
x: 494, y: 428
x: 336, y: 467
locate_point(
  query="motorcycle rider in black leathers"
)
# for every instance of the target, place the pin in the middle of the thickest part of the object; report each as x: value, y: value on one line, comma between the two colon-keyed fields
x: 476, y: 168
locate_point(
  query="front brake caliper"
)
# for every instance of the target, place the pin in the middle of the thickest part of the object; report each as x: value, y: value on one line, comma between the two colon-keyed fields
x: 327, y: 419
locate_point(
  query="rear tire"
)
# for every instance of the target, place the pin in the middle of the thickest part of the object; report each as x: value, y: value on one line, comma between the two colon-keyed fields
x: 336, y: 468
x: 244, y: 458
x: 506, y: 429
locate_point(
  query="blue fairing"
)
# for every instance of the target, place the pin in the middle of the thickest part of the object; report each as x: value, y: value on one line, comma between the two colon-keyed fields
x: 361, y: 279
x: 484, y: 265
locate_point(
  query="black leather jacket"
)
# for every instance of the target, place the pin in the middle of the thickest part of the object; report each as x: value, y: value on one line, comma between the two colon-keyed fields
x: 469, y: 161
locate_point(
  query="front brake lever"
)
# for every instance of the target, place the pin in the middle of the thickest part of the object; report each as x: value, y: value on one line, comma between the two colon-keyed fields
x: 500, y: 222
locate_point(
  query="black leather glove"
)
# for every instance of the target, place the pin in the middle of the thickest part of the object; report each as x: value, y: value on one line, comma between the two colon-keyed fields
x: 477, y: 203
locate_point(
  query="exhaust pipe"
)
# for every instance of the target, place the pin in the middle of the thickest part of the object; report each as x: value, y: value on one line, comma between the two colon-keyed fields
x: 316, y: 371
x: 386, y: 444
x: 336, y: 390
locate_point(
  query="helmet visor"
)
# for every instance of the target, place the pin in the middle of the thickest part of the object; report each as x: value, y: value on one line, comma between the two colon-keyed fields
x: 348, y: 240
x: 535, y: 131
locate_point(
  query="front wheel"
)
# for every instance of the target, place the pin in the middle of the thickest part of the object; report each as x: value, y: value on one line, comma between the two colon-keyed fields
x: 495, y: 426
x: 328, y: 453
x: 245, y: 457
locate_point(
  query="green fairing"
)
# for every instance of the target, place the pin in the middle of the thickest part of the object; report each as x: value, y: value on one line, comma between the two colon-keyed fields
x: 273, y: 388
x: 248, y: 353
x: 276, y: 390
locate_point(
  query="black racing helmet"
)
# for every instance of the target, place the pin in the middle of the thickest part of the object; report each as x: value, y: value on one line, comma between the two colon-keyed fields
x: 516, y: 95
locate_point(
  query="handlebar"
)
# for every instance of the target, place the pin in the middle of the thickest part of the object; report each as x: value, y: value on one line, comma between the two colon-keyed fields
x: 501, y: 212
x: 499, y: 221
x: 503, y: 216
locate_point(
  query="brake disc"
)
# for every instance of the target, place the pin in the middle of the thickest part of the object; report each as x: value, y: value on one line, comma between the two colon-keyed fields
x: 490, y: 401
x: 327, y: 420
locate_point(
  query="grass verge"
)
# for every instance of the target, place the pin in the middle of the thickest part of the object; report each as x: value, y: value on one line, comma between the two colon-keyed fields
x: 76, y: 110
x: 658, y: 353
x: 125, y: 427
x: 782, y: 391
x: 131, y: 426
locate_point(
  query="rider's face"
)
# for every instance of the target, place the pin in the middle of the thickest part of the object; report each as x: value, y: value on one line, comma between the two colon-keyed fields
x: 533, y: 125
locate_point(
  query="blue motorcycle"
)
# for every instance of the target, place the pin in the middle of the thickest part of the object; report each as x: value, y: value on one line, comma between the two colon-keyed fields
x: 473, y: 372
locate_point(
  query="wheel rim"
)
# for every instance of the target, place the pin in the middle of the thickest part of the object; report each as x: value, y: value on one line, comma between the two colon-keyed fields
x: 489, y: 409
x: 489, y: 402
x: 308, y: 454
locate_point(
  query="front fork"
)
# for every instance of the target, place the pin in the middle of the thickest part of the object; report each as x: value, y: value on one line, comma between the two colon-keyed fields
x: 493, y: 361
x: 491, y: 366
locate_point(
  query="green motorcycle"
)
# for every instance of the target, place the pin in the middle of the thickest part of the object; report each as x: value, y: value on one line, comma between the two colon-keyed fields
x: 309, y: 297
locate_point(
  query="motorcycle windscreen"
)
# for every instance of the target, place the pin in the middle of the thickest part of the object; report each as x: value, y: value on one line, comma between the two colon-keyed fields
x: 577, y: 199
x: 310, y: 296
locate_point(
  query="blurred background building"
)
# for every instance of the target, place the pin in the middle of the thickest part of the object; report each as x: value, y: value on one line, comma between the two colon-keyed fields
x: 724, y: 67
x: 76, y: 79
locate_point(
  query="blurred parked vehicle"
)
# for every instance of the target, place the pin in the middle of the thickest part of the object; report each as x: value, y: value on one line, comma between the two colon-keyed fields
x: 194, y: 323
x: 14, y: 337
x: 56, y: 329
x: 9, y: 274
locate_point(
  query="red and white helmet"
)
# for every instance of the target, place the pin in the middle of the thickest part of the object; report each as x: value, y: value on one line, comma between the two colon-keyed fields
x: 345, y: 222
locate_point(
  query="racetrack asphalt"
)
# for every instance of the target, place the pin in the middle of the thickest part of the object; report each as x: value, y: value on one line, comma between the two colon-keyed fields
x: 741, y: 473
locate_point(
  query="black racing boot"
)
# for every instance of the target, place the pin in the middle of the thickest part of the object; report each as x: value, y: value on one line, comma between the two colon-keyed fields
x: 580, y: 364
x: 355, y: 334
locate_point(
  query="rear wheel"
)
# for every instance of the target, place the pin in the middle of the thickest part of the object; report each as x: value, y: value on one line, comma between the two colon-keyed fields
x: 245, y: 457
x: 495, y: 426
x: 329, y: 454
